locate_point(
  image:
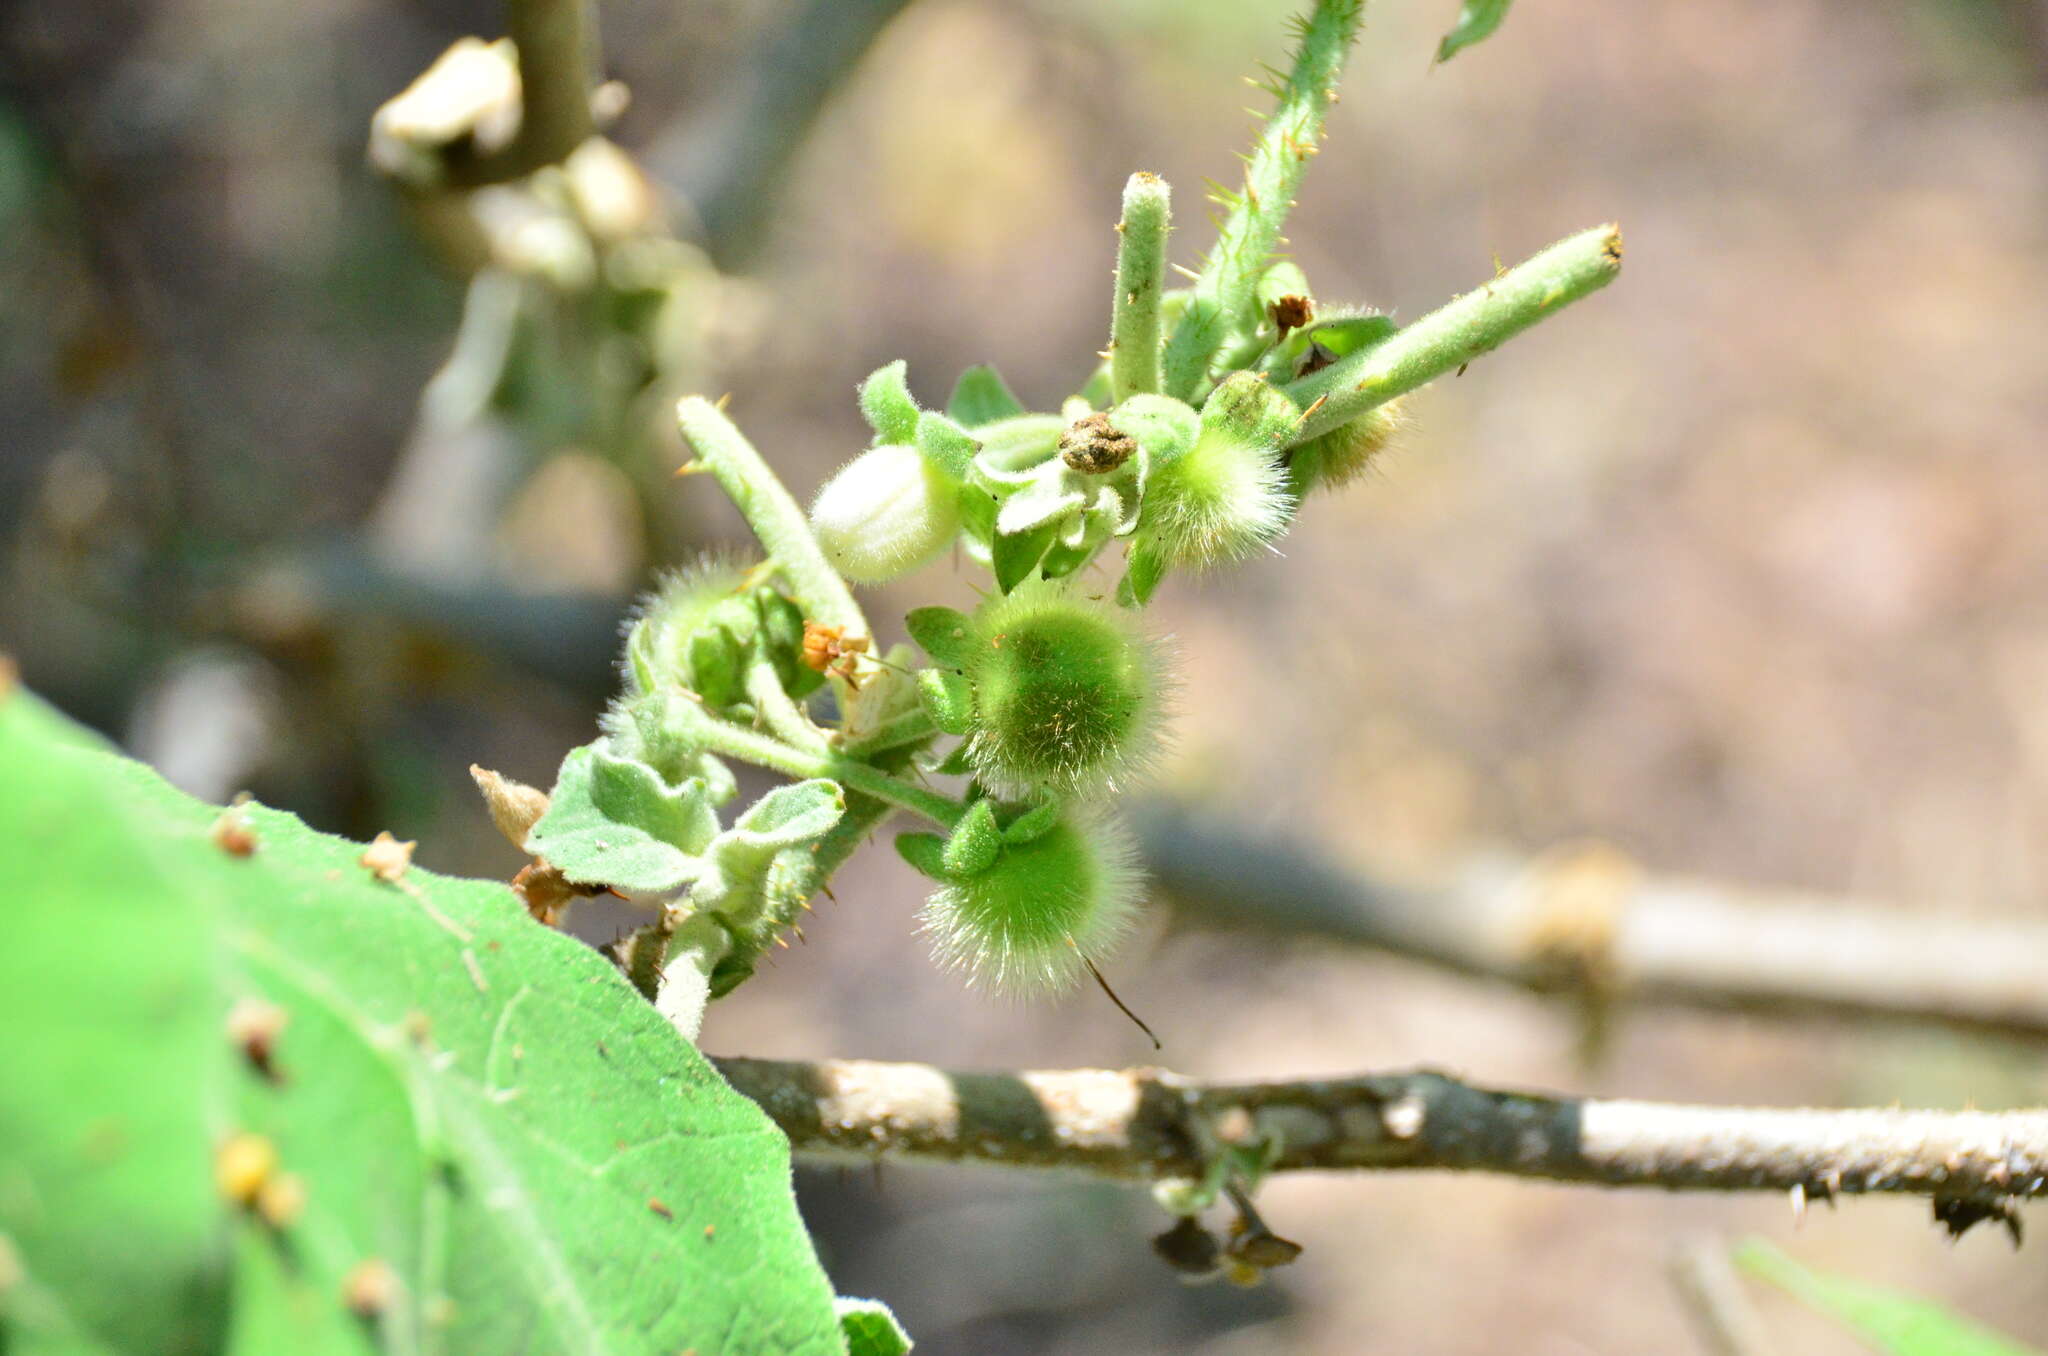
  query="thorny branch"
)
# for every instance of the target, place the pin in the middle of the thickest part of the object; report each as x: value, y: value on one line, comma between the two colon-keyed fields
x: 1150, y: 1125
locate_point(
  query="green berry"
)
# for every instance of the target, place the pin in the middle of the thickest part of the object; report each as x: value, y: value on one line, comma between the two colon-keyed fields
x: 1025, y: 924
x: 1067, y: 691
x: 1332, y: 460
x: 1225, y: 496
x: 668, y: 638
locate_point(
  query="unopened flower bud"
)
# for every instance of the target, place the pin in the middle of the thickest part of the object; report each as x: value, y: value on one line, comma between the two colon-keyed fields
x: 885, y: 513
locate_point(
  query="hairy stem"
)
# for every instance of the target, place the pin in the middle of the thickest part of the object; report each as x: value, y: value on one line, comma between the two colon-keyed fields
x: 1147, y: 1124
x: 1455, y: 334
x: 775, y: 517
x: 1224, y: 298
x: 1140, y: 282
x: 778, y: 711
x: 727, y: 740
x: 912, y: 727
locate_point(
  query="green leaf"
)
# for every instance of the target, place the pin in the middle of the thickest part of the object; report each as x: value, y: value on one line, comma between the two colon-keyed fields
x: 789, y: 818
x: 974, y: 844
x: 1902, y: 1325
x: 944, y: 634
x: 479, y: 1104
x: 977, y: 514
x: 870, y: 1329
x: 886, y: 403
x: 614, y: 821
x: 1014, y: 557
x: 981, y: 397
x: 946, y: 445
x: 1476, y: 22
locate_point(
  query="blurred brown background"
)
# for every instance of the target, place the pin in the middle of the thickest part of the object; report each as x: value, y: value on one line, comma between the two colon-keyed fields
x: 1737, y: 565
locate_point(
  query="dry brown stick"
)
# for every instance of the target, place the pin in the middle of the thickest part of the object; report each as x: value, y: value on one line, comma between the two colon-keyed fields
x: 1567, y: 919
x: 1147, y: 1124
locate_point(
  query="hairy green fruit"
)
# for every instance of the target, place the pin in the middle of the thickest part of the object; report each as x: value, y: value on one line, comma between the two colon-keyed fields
x: 1026, y: 923
x: 1226, y: 496
x: 669, y: 641
x: 1333, y: 460
x: 885, y: 513
x: 1066, y: 691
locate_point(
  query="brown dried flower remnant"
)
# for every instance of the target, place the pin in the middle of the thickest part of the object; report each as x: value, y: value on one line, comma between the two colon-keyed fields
x: 828, y: 649
x: 1291, y: 313
x: 1094, y: 447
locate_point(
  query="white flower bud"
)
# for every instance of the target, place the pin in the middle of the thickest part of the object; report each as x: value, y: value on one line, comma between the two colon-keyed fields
x: 885, y: 513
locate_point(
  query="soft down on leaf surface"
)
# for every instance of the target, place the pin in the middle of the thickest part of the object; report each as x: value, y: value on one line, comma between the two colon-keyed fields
x: 468, y: 1123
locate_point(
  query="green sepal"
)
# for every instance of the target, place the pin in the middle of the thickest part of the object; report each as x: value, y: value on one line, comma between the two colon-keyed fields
x: 1034, y: 823
x: 1048, y: 496
x: 1283, y: 279
x: 1014, y: 557
x: 974, y: 844
x: 1347, y: 334
x: 782, y: 640
x: 944, y: 634
x: 885, y: 402
x: 1143, y: 569
x: 1247, y: 409
x: 870, y: 1329
x: 1062, y: 560
x: 945, y: 445
x: 1165, y: 428
x: 717, y: 667
x: 613, y: 821
x: 947, y: 698
x: 977, y: 515
x: 956, y: 763
x: 926, y: 853
x: 1339, y: 336
x: 1013, y: 446
x: 981, y: 397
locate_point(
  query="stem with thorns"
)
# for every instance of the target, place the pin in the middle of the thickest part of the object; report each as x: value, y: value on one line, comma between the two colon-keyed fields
x: 1455, y: 334
x: 775, y: 517
x: 1224, y: 299
x: 711, y: 734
